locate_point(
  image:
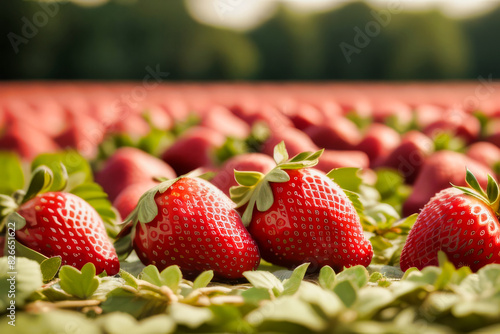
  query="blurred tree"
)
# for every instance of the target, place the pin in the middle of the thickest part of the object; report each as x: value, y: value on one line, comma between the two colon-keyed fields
x: 425, y: 46
x: 351, y: 52
x: 118, y: 39
x: 481, y: 32
x: 289, y: 46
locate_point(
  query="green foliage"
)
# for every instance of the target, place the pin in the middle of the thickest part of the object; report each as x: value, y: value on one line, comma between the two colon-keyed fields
x: 441, y: 299
x: 81, y: 284
x: 12, y: 173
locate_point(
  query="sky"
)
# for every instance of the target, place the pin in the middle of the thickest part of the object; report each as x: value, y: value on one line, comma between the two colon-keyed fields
x: 246, y: 14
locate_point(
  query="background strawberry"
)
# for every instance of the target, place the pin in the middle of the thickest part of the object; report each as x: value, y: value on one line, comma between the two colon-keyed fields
x: 190, y: 223
x: 128, y: 166
x: 224, y: 179
x: 461, y: 222
x: 299, y: 215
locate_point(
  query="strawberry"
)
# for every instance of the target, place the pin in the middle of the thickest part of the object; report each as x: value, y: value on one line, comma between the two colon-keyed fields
x: 224, y: 179
x: 127, y: 199
x: 331, y: 159
x: 378, y: 142
x: 337, y: 134
x: 193, y: 149
x: 460, y: 221
x: 26, y: 140
x: 128, y: 166
x: 58, y: 223
x: 436, y: 173
x: 296, y: 140
x: 410, y: 155
x: 299, y: 215
x: 485, y: 153
x: 188, y: 222
x: 223, y: 121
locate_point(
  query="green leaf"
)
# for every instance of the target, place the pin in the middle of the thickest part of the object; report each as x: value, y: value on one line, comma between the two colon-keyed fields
x: 129, y: 279
x: 246, y: 178
x: 152, y: 275
x: 81, y: 284
x: 265, y: 197
x: 16, y: 219
x: 171, y: 277
x: 50, y: 267
x: 69, y: 169
x: 380, y: 243
x: 156, y: 142
x: 471, y: 192
x: 280, y: 153
x: 266, y: 280
x: 346, y: 291
x: 277, y: 175
x: 23, y: 251
x: 140, y: 305
x: 357, y: 275
x: 287, y: 309
x: 327, y: 300
x: 347, y: 178
x: 292, y: 284
x: 369, y: 301
x: 41, y: 180
x: 356, y: 202
x: 55, y: 321
x: 21, y: 278
x: 119, y: 323
x: 473, y: 183
x: 388, y: 181
x: 492, y: 189
x: 203, y: 279
x: 12, y: 173
x: 327, y: 278
x: 255, y: 295
x: 190, y: 316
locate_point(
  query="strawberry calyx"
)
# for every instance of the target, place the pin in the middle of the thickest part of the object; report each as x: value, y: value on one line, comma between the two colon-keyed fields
x: 254, y: 189
x: 145, y: 211
x: 41, y: 181
x: 491, y: 196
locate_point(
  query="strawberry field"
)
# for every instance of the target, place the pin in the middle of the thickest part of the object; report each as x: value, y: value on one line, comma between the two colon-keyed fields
x: 245, y: 208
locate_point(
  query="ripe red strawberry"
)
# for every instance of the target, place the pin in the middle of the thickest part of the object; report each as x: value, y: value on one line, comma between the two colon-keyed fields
x: 127, y: 199
x: 337, y: 134
x: 410, y: 155
x: 299, y: 215
x: 461, y: 222
x: 188, y: 222
x: 26, y: 140
x: 61, y: 224
x: 128, y: 166
x: 436, y: 173
x: 193, y: 149
x: 331, y: 159
x: 378, y: 142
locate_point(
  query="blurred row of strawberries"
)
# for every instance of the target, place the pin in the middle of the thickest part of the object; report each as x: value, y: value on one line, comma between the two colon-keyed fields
x: 428, y: 132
